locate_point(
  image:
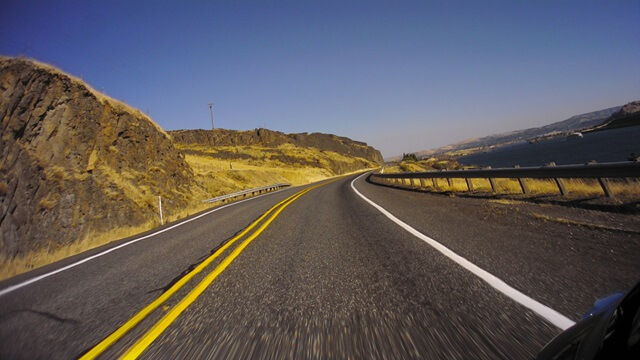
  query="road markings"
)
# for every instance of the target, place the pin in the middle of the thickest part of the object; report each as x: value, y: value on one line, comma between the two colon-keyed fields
x: 544, y: 311
x: 79, y: 262
x: 142, y: 314
x: 175, y: 311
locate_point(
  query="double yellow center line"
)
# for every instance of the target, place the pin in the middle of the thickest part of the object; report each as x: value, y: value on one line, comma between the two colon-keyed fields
x: 172, y: 315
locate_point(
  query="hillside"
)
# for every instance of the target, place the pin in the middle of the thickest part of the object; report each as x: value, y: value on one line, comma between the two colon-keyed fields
x: 79, y: 169
x: 229, y: 159
x: 574, y: 123
x: 76, y: 162
x: 264, y: 138
x: 628, y: 115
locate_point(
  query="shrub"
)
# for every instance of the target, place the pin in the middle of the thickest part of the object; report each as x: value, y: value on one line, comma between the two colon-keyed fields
x: 409, y: 157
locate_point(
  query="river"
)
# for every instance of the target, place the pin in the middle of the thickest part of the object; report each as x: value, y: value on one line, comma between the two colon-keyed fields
x: 603, y: 146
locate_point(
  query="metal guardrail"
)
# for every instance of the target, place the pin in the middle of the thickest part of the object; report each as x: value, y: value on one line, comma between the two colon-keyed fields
x: 602, y: 172
x: 244, y: 193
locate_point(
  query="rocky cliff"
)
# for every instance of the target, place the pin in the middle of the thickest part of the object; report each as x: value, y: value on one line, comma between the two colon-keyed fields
x: 74, y: 160
x: 273, y: 139
x: 628, y: 115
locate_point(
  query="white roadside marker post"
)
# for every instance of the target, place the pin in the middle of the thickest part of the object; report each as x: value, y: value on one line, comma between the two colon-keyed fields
x: 160, y: 209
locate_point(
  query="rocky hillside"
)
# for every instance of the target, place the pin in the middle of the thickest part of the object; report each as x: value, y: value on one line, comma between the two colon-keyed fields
x: 629, y: 115
x: 76, y: 165
x: 273, y: 139
x: 74, y: 160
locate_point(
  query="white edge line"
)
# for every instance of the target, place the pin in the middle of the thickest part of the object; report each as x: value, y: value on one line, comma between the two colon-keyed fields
x: 43, y: 276
x: 546, y: 312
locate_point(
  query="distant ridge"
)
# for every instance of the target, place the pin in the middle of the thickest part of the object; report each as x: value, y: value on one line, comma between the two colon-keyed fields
x: 272, y: 139
x: 574, y: 123
x: 629, y: 115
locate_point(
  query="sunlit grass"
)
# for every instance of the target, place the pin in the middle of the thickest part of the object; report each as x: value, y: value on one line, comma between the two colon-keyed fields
x: 42, y: 257
x: 578, y: 187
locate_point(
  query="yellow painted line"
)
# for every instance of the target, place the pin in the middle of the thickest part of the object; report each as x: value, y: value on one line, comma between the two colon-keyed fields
x: 142, y: 314
x: 148, y: 338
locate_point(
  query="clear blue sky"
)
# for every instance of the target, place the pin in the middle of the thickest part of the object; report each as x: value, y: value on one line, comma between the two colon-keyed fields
x: 400, y: 75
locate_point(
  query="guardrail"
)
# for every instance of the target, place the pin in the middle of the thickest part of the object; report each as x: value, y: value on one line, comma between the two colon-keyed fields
x: 244, y: 193
x: 592, y: 170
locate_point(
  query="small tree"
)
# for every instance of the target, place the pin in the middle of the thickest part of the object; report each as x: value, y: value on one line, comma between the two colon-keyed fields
x: 409, y: 157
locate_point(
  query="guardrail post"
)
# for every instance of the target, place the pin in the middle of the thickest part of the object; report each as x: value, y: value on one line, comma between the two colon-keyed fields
x: 523, y: 183
x: 412, y: 184
x: 422, y: 182
x: 561, y: 187
x: 469, y: 184
x: 435, y: 183
x: 494, y: 187
x: 559, y: 182
x: 605, y: 187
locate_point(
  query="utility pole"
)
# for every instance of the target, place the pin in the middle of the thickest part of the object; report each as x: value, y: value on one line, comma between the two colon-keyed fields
x: 211, y: 109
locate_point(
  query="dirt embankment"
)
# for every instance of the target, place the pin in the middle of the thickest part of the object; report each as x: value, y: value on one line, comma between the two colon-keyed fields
x: 75, y: 161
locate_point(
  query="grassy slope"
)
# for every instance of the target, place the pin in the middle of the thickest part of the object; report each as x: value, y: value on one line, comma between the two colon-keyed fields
x: 226, y: 169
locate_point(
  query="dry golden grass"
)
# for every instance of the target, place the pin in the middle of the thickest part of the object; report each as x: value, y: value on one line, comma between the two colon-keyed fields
x: 254, y: 166
x: 577, y: 187
x: 423, y: 165
x: 42, y: 257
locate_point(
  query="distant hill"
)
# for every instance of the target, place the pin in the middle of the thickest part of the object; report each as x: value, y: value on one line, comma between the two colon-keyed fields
x: 574, y: 123
x: 225, y: 160
x: 78, y: 168
x: 629, y: 115
x: 268, y: 139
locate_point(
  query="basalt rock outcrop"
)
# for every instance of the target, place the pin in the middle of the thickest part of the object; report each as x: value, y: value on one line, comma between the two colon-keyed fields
x: 73, y: 160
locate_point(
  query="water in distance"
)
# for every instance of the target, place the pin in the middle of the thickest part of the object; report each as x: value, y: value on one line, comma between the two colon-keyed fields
x: 603, y: 146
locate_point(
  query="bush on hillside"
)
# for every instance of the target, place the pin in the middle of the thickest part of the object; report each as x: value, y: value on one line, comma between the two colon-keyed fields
x: 409, y: 157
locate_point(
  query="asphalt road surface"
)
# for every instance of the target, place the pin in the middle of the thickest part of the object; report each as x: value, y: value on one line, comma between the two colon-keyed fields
x: 324, y: 275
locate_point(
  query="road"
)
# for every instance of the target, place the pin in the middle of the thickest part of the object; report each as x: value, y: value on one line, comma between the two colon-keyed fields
x: 329, y: 276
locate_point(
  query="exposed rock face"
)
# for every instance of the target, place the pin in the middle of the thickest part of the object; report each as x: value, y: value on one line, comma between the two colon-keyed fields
x: 629, y: 115
x: 272, y: 139
x: 628, y: 109
x: 73, y: 160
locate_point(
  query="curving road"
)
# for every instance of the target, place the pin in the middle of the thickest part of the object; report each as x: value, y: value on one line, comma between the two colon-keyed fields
x: 326, y: 276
